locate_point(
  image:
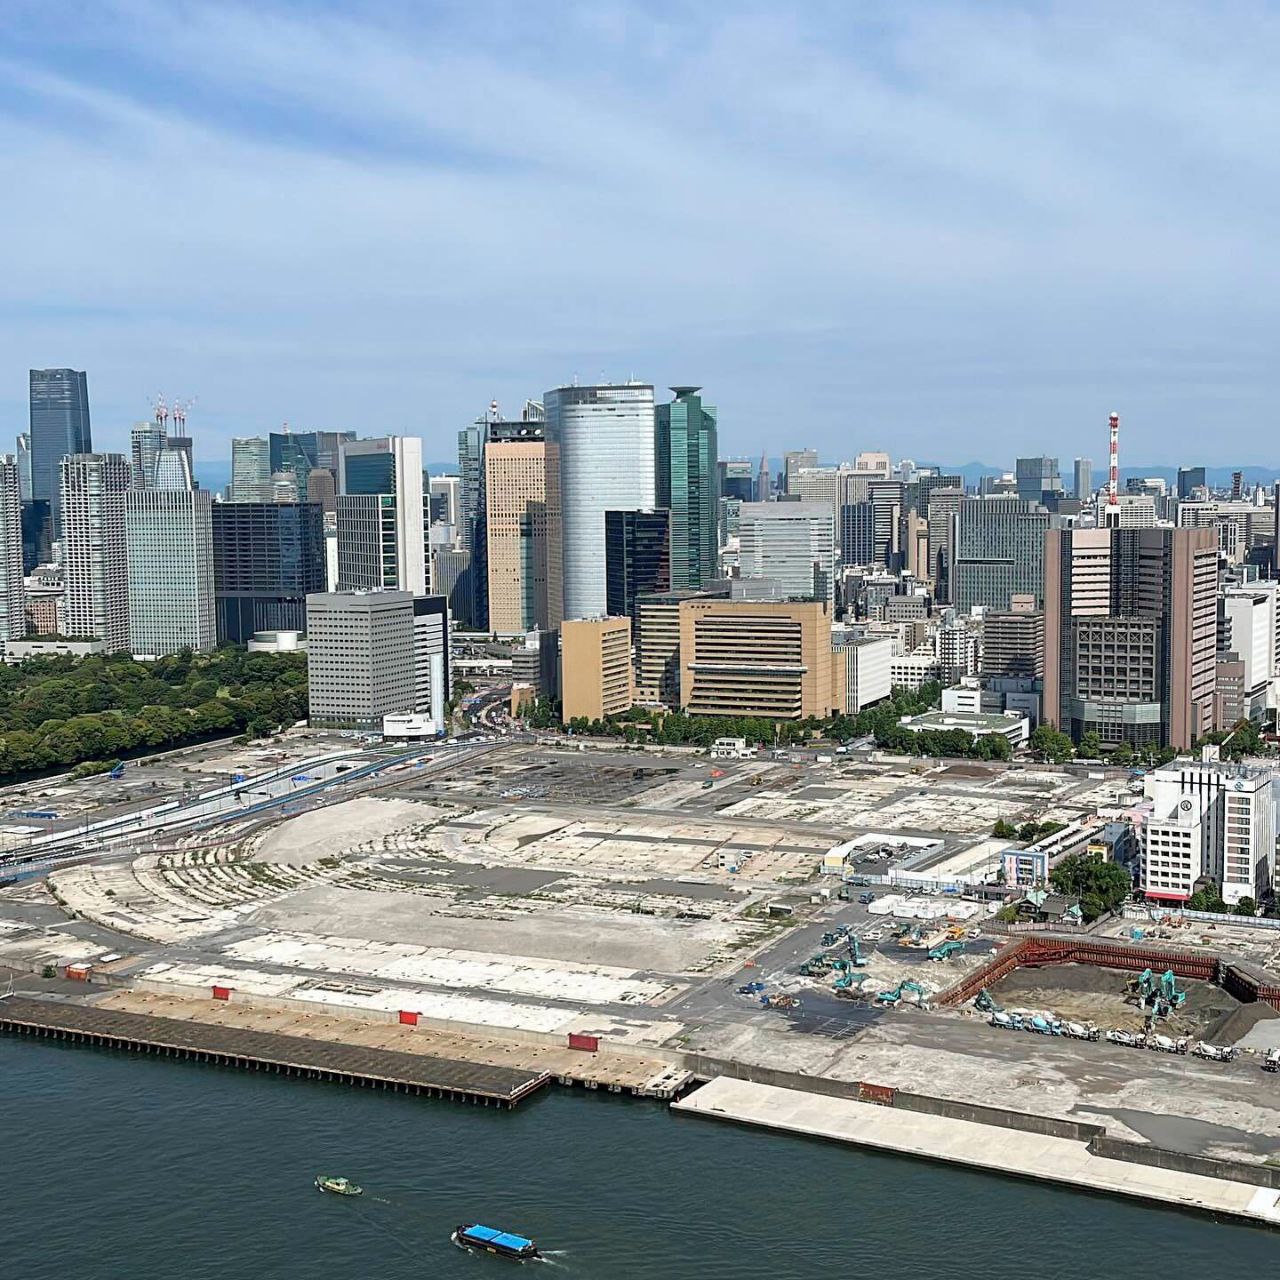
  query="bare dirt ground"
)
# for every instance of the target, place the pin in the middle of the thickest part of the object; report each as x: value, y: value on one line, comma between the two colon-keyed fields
x: 1087, y: 994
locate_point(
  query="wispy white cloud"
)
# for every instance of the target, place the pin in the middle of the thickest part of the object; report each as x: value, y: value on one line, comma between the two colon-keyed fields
x: 951, y: 229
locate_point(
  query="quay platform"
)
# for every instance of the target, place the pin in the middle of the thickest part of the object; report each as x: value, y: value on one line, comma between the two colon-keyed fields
x: 1066, y: 1161
x: 371, y: 1068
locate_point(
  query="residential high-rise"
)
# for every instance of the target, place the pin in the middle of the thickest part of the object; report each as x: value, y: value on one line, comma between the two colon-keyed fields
x: 637, y: 553
x: 59, y: 426
x: 606, y: 439
x: 382, y: 516
x: 1083, y: 479
x: 250, y: 470
x: 1131, y: 634
x: 1036, y: 477
x: 791, y: 542
x: 687, y: 485
x: 146, y: 441
x: 92, y: 495
x: 595, y: 661
x: 13, y: 603
x: 169, y: 528
x: 24, y: 465
x: 999, y: 552
x: 37, y: 534
x: 268, y: 557
x: 1013, y: 645
x: 522, y: 526
x: 757, y: 658
x: 372, y: 654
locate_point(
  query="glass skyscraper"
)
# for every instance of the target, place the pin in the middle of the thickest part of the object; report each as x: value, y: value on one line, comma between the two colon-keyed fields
x: 686, y: 479
x: 606, y: 439
x: 59, y: 426
x: 637, y: 558
x: 999, y: 552
x: 267, y: 558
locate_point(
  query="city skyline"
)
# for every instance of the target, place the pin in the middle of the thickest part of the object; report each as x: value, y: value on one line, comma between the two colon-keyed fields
x: 1006, y: 231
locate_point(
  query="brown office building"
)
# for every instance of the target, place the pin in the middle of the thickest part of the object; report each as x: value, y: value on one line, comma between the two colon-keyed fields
x: 757, y: 658
x: 1131, y: 634
x: 522, y: 515
x: 595, y: 668
x: 1013, y: 643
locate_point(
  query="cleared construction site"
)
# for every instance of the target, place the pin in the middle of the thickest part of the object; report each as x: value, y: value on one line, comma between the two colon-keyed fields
x: 636, y: 922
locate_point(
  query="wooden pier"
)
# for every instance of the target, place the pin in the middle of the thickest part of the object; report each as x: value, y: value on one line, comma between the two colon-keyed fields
x: 265, y: 1051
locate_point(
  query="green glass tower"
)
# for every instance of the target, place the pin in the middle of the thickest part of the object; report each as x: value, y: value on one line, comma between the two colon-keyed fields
x: 686, y: 485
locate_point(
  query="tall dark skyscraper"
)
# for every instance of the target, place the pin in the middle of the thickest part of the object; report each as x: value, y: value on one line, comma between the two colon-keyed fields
x: 267, y: 558
x: 59, y: 426
x: 686, y: 477
x: 637, y: 552
x: 1190, y: 479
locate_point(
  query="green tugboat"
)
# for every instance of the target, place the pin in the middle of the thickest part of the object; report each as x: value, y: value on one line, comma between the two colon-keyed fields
x: 338, y: 1186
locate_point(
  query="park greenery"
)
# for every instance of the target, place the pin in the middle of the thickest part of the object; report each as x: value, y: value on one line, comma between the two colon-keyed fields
x: 1101, y: 886
x: 64, y: 712
x: 1028, y: 833
x: 1050, y: 744
x: 880, y: 723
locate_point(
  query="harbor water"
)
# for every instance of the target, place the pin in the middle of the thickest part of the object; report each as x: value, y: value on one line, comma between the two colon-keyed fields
x: 157, y: 1170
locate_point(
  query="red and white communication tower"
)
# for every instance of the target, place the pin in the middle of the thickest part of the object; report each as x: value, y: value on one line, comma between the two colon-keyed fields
x: 1113, y: 484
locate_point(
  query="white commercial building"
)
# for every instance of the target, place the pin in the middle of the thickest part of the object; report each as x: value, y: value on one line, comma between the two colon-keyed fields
x: 1009, y: 725
x: 911, y: 670
x: 95, y: 558
x: 382, y: 516
x: 169, y: 533
x: 605, y: 436
x: 1210, y: 822
x: 791, y: 542
x: 1250, y: 623
x: 373, y: 654
x: 868, y: 664
x: 13, y: 600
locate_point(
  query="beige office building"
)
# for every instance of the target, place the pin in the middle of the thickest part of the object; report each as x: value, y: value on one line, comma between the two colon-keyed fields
x: 522, y: 515
x: 755, y: 658
x: 595, y: 668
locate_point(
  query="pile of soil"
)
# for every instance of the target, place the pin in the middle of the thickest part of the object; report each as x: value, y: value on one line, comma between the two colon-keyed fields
x: 1232, y: 1027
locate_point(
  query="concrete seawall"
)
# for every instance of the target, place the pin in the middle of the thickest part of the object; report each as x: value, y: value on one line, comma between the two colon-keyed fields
x: 1067, y: 1161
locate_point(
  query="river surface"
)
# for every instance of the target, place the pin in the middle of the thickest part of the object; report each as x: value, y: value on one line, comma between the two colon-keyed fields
x: 120, y: 1166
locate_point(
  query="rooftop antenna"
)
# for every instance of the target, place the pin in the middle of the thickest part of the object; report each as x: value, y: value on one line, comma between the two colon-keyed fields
x: 494, y: 415
x: 1113, y: 484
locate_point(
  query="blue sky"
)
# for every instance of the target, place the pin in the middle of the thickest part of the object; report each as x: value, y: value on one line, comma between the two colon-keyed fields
x: 952, y: 231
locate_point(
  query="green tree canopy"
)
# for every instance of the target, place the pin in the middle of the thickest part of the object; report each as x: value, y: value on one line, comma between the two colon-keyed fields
x: 1100, y: 886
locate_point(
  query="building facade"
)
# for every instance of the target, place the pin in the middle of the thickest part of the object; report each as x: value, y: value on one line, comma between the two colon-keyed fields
x: 1211, y: 823
x: 250, y: 470
x: 268, y: 558
x: 687, y: 485
x: 605, y: 435
x: 637, y: 552
x: 1131, y: 634
x: 522, y: 528
x: 171, y: 586
x: 59, y: 426
x: 383, y: 517
x: 13, y: 603
x: 92, y: 495
x: 998, y: 553
x: 595, y: 665
x: 751, y: 658
x: 792, y: 543
x: 376, y: 654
